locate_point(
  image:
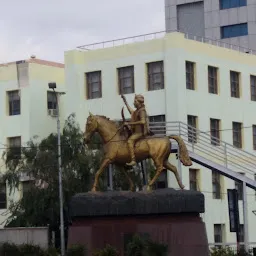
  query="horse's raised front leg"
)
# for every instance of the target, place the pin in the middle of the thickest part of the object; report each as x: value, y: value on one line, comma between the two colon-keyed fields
x: 103, y: 165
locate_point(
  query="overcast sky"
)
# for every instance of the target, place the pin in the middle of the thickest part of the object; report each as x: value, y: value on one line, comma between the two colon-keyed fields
x: 50, y: 27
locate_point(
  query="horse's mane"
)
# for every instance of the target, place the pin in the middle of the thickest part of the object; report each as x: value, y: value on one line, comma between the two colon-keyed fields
x: 108, y: 119
x: 116, y: 124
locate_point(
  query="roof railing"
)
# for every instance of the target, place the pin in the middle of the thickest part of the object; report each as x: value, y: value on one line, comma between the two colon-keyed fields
x: 161, y: 34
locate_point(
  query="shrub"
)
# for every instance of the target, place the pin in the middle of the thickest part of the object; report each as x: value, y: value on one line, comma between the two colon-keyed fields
x: 107, y: 251
x: 156, y: 249
x: 31, y: 250
x: 222, y: 251
x: 141, y: 246
x: 8, y: 249
x: 136, y: 247
x: 226, y: 251
x: 76, y: 250
x: 52, y: 252
x: 242, y: 252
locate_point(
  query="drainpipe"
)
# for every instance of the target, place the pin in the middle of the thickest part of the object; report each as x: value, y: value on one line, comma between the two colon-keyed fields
x: 245, y: 213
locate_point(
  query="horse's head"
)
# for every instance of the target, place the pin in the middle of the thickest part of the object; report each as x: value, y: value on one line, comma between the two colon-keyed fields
x: 90, y: 127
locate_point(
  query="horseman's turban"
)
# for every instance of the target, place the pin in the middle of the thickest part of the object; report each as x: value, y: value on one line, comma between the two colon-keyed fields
x: 139, y: 98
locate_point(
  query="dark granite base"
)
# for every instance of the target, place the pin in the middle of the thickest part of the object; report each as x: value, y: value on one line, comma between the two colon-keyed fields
x: 168, y: 216
x: 116, y: 203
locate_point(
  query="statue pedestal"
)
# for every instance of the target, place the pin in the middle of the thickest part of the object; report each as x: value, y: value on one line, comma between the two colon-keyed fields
x: 168, y: 216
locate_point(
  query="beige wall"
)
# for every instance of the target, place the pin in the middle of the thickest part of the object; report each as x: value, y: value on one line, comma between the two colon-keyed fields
x: 36, y: 236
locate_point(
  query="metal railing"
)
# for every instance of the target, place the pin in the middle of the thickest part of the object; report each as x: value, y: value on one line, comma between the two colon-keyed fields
x: 161, y: 34
x: 209, y: 147
x: 219, y: 43
x: 123, y: 41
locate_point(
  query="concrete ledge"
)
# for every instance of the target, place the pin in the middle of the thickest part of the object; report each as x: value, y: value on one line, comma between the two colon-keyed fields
x: 123, y: 203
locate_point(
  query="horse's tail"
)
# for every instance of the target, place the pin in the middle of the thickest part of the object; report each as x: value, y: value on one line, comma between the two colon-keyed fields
x: 183, y: 152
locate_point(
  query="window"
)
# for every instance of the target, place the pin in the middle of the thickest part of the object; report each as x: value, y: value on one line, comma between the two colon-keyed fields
x: 218, y: 233
x: 254, y: 136
x: 14, y: 102
x: 234, y: 84
x: 237, y: 135
x: 253, y: 88
x: 193, y: 183
x: 213, y: 80
x: 22, y: 73
x: 216, y: 187
x: 215, y: 131
x: 93, y: 81
x: 234, y: 30
x: 226, y: 4
x: 14, y: 147
x: 239, y: 188
x: 190, y: 76
x: 157, y: 124
x: 192, y: 125
x: 51, y: 100
x: 126, y: 80
x: 155, y: 75
x: 3, y: 201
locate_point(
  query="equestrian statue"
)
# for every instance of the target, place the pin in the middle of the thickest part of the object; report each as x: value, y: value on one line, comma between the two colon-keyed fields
x: 133, y: 142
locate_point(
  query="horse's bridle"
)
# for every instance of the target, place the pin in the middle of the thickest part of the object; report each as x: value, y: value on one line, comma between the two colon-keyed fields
x: 113, y: 135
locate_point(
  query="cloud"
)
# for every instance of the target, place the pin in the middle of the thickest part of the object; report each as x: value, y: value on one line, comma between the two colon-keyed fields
x: 50, y: 27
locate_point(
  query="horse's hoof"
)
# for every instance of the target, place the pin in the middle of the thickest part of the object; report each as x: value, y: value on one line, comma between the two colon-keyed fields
x: 94, y: 189
x: 149, y: 188
x: 182, y: 187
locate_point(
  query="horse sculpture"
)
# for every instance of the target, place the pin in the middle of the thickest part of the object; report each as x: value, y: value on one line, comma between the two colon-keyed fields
x: 116, y: 149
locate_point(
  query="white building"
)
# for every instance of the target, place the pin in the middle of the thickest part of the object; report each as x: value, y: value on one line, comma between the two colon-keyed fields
x: 28, y: 108
x: 208, y: 87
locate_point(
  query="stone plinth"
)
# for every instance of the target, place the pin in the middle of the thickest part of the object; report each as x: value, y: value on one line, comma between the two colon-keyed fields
x: 166, y: 215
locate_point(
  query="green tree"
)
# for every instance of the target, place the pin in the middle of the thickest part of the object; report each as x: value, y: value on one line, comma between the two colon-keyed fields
x: 39, y: 160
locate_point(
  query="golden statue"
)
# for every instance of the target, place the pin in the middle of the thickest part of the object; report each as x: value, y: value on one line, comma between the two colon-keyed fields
x: 117, y: 151
x: 139, y: 124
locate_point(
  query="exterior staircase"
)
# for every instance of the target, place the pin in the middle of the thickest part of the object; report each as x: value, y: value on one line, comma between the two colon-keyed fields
x: 211, y: 152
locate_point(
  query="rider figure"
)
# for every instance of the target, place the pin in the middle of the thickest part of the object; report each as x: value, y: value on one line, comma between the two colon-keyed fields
x: 139, y: 124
